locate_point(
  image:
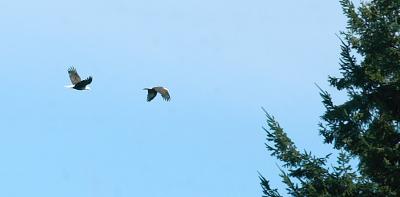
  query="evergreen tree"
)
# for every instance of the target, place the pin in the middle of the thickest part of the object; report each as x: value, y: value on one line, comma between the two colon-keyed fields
x: 366, y: 126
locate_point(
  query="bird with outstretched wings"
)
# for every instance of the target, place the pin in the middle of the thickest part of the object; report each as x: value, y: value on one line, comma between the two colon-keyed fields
x: 152, y: 92
x: 76, y: 81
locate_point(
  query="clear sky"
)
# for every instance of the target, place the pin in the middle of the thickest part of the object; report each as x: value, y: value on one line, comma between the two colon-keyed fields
x: 222, y: 61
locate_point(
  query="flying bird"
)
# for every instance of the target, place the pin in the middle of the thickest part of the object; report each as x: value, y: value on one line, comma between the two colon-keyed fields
x: 152, y: 92
x: 76, y: 81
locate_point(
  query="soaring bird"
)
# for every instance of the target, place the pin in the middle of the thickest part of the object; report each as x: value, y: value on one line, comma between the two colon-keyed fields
x: 152, y: 92
x: 76, y: 81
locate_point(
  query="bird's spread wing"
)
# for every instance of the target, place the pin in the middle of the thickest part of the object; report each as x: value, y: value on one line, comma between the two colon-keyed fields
x: 86, y: 81
x: 164, y: 92
x: 151, y: 94
x: 73, y: 75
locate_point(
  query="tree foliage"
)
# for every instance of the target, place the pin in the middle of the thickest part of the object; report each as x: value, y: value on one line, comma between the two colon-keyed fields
x: 366, y: 126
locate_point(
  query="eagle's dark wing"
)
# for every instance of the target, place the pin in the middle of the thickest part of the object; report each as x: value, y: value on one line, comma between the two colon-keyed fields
x: 87, y: 81
x: 164, y: 92
x: 73, y: 75
x: 81, y: 85
x: 151, y: 94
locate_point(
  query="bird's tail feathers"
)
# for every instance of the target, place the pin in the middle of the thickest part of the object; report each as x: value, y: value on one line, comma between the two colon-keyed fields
x: 69, y: 86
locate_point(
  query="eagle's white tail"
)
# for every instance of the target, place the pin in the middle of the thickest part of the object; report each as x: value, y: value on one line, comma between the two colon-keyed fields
x: 69, y: 86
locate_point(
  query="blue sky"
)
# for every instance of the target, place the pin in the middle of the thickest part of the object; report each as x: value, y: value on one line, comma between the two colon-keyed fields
x: 221, y: 60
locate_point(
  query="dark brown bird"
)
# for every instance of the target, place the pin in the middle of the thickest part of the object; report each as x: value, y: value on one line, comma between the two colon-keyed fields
x: 76, y: 81
x: 152, y: 92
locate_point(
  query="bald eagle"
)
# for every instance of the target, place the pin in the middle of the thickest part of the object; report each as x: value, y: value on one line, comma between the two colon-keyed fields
x: 152, y: 92
x: 76, y: 81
